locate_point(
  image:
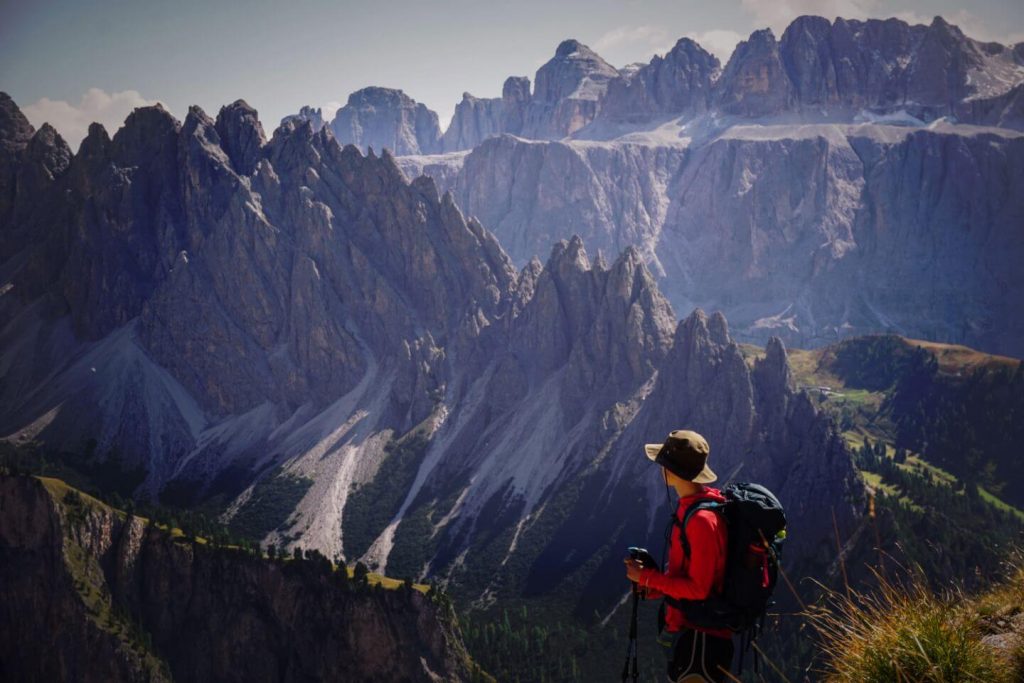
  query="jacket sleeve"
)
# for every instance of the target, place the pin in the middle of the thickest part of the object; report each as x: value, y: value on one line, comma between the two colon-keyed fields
x: 698, y: 581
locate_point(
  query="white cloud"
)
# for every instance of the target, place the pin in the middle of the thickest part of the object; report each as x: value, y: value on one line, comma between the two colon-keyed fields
x: 631, y: 43
x: 631, y: 35
x: 777, y: 14
x: 329, y: 109
x: 72, y: 120
x: 718, y: 42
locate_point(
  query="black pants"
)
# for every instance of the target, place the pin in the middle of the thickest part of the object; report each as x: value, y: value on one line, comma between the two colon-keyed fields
x: 695, y: 657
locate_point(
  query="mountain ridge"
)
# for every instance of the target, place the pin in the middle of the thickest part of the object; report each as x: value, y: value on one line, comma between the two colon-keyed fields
x: 818, y: 68
x: 297, y: 320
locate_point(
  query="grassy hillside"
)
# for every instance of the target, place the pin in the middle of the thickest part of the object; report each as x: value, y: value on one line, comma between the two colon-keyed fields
x: 182, y: 525
x: 954, y: 408
x: 936, y: 434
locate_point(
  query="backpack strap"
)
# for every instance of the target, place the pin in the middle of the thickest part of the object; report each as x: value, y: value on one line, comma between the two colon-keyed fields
x: 703, y: 504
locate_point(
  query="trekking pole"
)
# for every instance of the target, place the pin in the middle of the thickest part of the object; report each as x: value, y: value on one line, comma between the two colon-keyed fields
x: 630, y: 666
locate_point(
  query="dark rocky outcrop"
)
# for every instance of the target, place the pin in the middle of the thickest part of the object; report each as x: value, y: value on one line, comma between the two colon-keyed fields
x: 92, y: 595
x: 241, y: 134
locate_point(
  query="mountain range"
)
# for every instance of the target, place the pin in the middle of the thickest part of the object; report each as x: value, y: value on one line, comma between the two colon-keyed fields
x: 852, y: 177
x: 363, y: 353
x: 219, y: 311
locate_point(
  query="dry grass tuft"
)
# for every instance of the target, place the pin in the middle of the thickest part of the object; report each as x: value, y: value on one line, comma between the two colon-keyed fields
x: 908, y: 634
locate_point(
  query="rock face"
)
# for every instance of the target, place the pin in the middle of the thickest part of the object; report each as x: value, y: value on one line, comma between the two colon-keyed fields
x: 930, y: 71
x: 383, y: 118
x: 515, y: 99
x: 123, y: 591
x: 323, y: 317
x: 567, y: 92
x: 678, y: 83
x: 567, y: 97
x: 474, y: 120
x: 532, y: 194
x: 754, y: 82
x: 30, y: 161
x: 809, y: 232
x: 159, y: 232
x: 241, y: 135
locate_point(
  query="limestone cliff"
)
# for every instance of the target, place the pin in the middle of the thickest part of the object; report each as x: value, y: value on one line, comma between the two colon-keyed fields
x: 809, y: 232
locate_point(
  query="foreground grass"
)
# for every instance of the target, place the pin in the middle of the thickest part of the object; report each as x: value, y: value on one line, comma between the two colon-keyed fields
x: 907, y: 633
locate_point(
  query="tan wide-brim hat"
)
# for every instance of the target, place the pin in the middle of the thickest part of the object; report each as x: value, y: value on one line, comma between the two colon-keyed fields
x: 684, y: 454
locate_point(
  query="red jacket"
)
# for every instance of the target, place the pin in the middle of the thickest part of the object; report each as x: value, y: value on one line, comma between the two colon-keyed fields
x: 700, y: 575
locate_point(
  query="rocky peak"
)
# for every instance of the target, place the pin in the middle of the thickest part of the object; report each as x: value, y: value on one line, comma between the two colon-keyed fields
x: 15, y: 134
x: 47, y: 155
x: 568, y: 258
x: 807, y: 52
x: 526, y: 282
x: 515, y: 98
x: 567, y: 92
x: 773, y: 371
x: 692, y: 337
x: 568, y: 47
x: 96, y: 142
x: 576, y: 309
x: 291, y: 149
x: 678, y: 83
x: 517, y: 88
x: 93, y: 160
x: 475, y: 119
x: 15, y: 130
x: 377, y: 97
x: 938, y: 72
x: 387, y: 118
x: 26, y: 180
x: 149, y: 135
x: 754, y: 82
x: 719, y: 328
x: 575, y: 71
x: 198, y: 123
x: 241, y: 135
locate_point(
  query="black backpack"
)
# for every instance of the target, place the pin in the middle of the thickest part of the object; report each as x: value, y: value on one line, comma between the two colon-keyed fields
x: 756, y: 523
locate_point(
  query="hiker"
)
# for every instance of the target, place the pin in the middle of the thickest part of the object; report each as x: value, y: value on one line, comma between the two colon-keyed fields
x: 695, y: 654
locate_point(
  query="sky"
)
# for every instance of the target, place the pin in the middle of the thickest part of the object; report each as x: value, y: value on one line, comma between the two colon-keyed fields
x: 71, y: 63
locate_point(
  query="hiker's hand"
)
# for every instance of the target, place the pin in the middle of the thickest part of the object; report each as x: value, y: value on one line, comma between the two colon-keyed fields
x: 633, y: 569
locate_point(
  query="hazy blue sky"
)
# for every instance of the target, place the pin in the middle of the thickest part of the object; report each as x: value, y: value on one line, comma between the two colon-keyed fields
x: 73, y: 62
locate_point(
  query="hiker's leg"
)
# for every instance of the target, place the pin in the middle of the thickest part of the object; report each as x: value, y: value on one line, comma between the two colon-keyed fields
x: 683, y: 656
x: 717, y: 657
